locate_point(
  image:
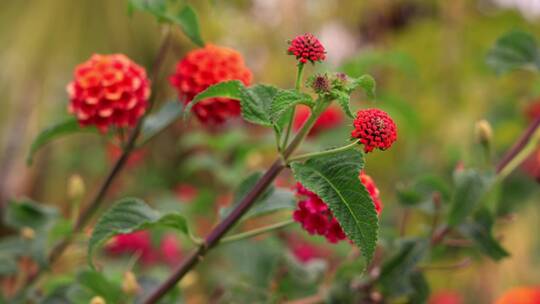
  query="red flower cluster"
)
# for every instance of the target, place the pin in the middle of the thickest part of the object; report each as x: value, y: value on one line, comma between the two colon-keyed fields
x: 307, y: 47
x: 372, y: 189
x: 108, y: 90
x: 375, y: 129
x: 136, y: 157
x: 140, y: 243
x: 204, y: 67
x: 329, y: 119
x: 315, y: 216
x: 520, y: 295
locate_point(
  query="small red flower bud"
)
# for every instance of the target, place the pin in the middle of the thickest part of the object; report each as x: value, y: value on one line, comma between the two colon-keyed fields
x: 330, y: 118
x: 204, y: 67
x: 307, y: 47
x: 108, y: 90
x: 375, y: 129
x: 321, y: 84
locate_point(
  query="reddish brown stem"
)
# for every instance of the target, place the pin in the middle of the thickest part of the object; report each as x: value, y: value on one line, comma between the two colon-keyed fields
x: 519, y: 145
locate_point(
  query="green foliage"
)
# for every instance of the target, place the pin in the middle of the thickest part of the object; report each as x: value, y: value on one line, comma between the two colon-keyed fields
x: 512, y: 51
x: 421, y: 289
x: 470, y: 188
x: 159, y: 121
x: 334, y: 178
x: 228, y: 89
x: 366, y: 82
x: 129, y: 215
x: 68, y: 126
x: 421, y: 190
x: 271, y: 200
x: 99, y: 285
x: 479, y: 229
x: 398, y: 276
x: 285, y: 100
x: 256, y: 102
x: 27, y: 213
x: 169, y: 11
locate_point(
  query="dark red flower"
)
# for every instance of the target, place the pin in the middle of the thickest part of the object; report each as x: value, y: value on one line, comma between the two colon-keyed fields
x: 305, y: 251
x: 138, y: 242
x: 330, y: 118
x: 315, y: 216
x: 136, y: 157
x: 186, y: 193
x: 307, y: 48
x: 108, y: 90
x: 372, y: 189
x: 531, y: 165
x: 204, y: 67
x: 375, y: 129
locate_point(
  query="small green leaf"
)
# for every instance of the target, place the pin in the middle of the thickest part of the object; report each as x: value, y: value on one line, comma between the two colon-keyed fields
x: 470, y: 187
x: 188, y: 21
x: 367, y: 83
x: 421, y: 289
x: 514, y: 50
x: 256, y: 102
x: 58, y: 130
x: 27, y: 213
x: 98, y: 284
x: 229, y: 89
x: 8, y: 265
x: 344, y: 101
x: 285, y: 100
x: 271, y: 200
x: 160, y: 120
x: 479, y: 230
x: 334, y: 178
x: 128, y: 215
x: 396, y: 272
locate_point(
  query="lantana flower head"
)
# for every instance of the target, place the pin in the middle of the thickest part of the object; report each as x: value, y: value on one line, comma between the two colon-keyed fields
x: 207, y: 66
x: 108, y: 91
x: 375, y: 129
x: 307, y: 48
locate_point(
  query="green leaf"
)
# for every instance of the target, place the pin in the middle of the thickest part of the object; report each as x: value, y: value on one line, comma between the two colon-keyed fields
x: 421, y: 289
x: 8, y: 265
x: 396, y: 272
x: 256, y: 102
x: 188, y: 21
x: 285, y: 100
x: 366, y: 82
x: 100, y: 286
x: 334, y: 178
x: 129, y: 215
x: 344, y: 101
x: 514, y: 50
x: 271, y: 200
x: 228, y: 89
x: 160, y: 120
x: 479, y: 230
x: 58, y: 130
x: 470, y: 187
x: 27, y: 213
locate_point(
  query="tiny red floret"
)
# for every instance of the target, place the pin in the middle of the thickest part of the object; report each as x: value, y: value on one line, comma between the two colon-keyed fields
x: 372, y: 189
x: 375, y: 129
x: 204, y: 67
x: 307, y: 48
x: 108, y: 90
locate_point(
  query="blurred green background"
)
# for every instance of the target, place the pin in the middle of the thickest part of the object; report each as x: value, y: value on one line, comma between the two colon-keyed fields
x: 428, y: 58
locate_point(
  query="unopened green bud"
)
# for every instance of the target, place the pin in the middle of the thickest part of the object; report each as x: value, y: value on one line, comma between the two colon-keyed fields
x: 75, y: 187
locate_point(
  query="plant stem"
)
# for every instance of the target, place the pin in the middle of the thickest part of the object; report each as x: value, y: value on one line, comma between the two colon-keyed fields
x: 322, y: 153
x: 255, y: 232
x: 247, y: 202
x: 297, y: 87
x: 518, y: 157
x: 520, y: 143
x: 97, y: 200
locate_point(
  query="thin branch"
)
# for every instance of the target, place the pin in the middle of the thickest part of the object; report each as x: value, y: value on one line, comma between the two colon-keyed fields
x: 255, y: 232
x: 519, y: 145
x: 247, y: 202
